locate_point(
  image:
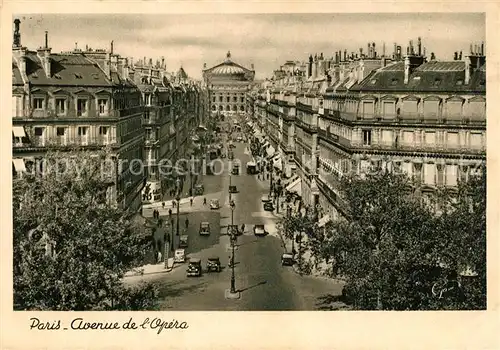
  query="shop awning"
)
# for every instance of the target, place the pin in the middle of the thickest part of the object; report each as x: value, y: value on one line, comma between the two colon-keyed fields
x: 18, y: 131
x: 19, y: 164
x: 270, y: 151
x: 324, y: 220
x: 295, y: 186
x: 277, y: 164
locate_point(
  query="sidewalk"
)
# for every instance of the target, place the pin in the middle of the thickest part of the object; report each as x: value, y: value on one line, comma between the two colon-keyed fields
x: 184, y: 205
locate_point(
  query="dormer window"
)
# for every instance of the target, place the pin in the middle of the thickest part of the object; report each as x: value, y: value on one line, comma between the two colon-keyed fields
x: 460, y: 82
x: 38, y: 103
x: 95, y: 76
x: 373, y: 82
x: 437, y: 82
x: 34, y: 75
x: 394, y: 82
x: 57, y: 76
x: 416, y: 78
x: 78, y: 76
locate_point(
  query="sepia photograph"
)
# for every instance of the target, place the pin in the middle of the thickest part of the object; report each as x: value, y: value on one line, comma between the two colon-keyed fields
x: 249, y: 162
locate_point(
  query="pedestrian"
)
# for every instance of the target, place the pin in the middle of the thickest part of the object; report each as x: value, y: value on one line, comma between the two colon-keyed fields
x: 187, y: 223
x: 191, y: 201
x: 163, y: 205
x: 159, y: 257
x: 243, y: 228
x: 173, y: 204
x: 170, y: 212
x: 204, y: 201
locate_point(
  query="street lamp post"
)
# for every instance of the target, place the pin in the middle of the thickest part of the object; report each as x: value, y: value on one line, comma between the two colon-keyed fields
x: 178, y: 198
x: 233, y: 287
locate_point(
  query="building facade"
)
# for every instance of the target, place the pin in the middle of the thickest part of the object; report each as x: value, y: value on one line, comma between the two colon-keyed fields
x: 228, y: 84
x: 77, y: 99
x: 364, y: 112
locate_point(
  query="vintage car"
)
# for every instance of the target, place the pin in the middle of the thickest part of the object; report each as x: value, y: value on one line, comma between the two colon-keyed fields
x: 233, y: 230
x: 235, y: 170
x: 259, y: 230
x: 239, y: 138
x: 199, y: 189
x: 214, y: 204
x: 183, y: 241
x: 179, y: 256
x: 231, y: 145
x: 268, y: 206
x: 205, y: 228
x: 194, y: 268
x: 233, y: 189
x: 213, y: 264
x: 287, y: 259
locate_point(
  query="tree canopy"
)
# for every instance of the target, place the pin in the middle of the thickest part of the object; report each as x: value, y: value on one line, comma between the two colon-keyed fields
x: 396, y: 252
x: 71, y: 248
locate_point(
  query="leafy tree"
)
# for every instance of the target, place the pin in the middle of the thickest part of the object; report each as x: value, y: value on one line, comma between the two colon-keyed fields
x: 393, y: 248
x: 71, y: 249
x: 387, y: 238
x: 463, y: 249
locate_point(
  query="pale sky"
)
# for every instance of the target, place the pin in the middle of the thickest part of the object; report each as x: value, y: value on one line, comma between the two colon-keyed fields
x: 266, y: 40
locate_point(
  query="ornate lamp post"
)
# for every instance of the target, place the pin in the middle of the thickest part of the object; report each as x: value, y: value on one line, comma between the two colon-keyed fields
x: 233, y: 239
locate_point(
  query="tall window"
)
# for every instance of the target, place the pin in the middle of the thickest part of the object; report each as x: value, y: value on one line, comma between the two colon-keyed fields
x: 39, y: 131
x: 452, y: 139
x: 103, y: 130
x: 61, y: 131
x: 476, y: 140
x: 103, y: 106
x: 454, y: 110
x: 388, y: 109
x: 82, y: 131
x: 431, y: 109
x: 368, y: 109
x: 429, y: 174
x: 451, y: 174
x: 430, y: 138
x: 81, y: 107
x: 38, y: 103
x: 367, y: 137
x: 60, y: 105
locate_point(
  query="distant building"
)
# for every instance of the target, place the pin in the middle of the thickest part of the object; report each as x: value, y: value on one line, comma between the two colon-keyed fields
x: 82, y: 99
x: 228, y: 83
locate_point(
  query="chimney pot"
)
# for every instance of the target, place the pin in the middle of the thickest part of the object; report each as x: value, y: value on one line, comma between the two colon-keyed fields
x: 17, y: 33
x: 482, y: 48
x: 46, y: 39
x: 407, y: 70
x: 467, y: 70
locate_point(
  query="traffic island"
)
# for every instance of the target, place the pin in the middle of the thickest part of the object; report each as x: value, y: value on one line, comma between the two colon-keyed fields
x: 229, y: 295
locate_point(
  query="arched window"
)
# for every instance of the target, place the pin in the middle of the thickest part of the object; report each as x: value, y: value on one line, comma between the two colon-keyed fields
x: 242, y: 108
x: 235, y: 99
x: 228, y: 108
x: 214, y: 108
x: 220, y: 98
x: 228, y: 99
x: 221, y: 108
x: 235, y: 108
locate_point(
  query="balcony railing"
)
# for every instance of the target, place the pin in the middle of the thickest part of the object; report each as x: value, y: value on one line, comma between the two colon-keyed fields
x: 420, y: 147
x: 61, y: 141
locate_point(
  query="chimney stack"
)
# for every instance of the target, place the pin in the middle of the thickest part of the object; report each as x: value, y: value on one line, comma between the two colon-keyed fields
x: 395, y: 53
x: 369, y: 53
x: 419, y: 46
x: 44, y: 55
x: 46, y: 39
x: 482, y: 48
x: 433, y: 56
x: 398, y: 50
x: 455, y: 56
x: 407, y: 69
x: 111, y: 48
x: 374, y: 53
x: 144, y: 62
x: 361, y: 52
x: 17, y: 33
x: 345, y: 55
x: 467, y: 70
x: 162, y: 62
x: 383, y: 49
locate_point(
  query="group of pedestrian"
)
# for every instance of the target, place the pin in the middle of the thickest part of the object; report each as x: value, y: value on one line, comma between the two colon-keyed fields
x: 156, y: 214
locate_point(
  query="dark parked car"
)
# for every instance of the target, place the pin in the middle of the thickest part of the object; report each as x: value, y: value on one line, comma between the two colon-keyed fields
x: 194, y: 267
x: 268, y: 206
x: 259, y: 230
x: 233, y: 189
x: 199, y: 189
x: 213, y: 264
x: 235, y: 170
x: 287, y: 259
x: 204, y: 228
